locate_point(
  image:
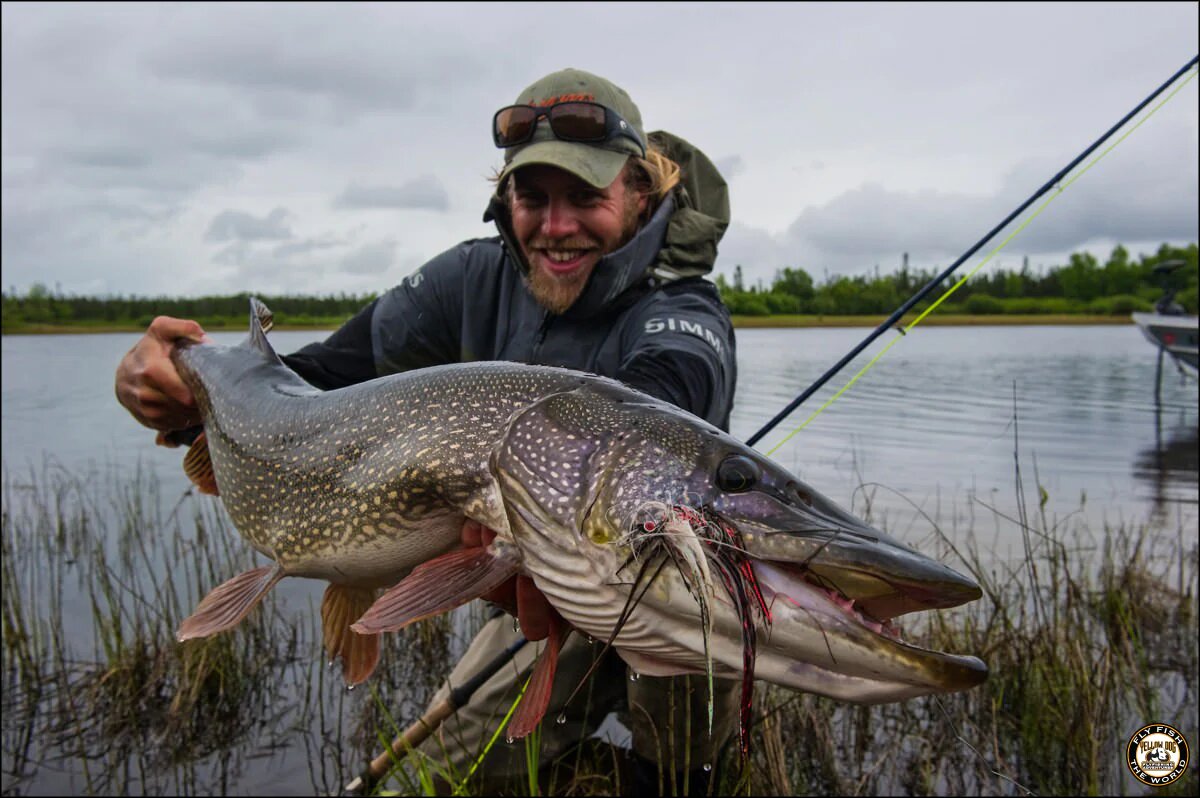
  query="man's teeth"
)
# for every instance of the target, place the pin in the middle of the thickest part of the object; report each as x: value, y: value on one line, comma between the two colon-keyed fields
x: 562, y: 256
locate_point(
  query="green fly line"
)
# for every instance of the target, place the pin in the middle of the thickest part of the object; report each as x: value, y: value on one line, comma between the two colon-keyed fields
x: 496, y: 736
x: 1061, y: 188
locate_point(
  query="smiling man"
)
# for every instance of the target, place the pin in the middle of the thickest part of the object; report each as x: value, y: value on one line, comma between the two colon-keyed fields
x: 605, y: 234
x: 565, y: 226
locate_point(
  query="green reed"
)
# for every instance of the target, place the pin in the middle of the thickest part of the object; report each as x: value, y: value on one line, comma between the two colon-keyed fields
x: 1088, y: 634
x: 97, y: 576
x: 1075, y: 669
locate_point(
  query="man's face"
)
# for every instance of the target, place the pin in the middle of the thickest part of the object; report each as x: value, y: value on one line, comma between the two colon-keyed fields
x: 564, y: 226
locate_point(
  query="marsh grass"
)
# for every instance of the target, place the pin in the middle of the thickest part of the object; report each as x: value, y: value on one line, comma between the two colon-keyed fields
x: 98, y: 572
x: 1084, y: 643
x: 1088, y: 634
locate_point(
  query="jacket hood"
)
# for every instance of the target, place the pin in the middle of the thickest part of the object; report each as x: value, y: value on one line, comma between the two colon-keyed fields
x: 680, y: 239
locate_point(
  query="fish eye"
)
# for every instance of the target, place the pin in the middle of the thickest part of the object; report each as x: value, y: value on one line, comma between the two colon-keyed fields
x: 737, y: 473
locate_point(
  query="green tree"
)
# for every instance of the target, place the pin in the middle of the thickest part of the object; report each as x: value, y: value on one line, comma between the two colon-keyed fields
x: 794, y: 282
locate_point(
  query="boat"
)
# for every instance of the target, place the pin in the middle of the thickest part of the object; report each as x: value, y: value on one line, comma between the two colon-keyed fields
x: 1179, y: 336
x: 1169, y: 328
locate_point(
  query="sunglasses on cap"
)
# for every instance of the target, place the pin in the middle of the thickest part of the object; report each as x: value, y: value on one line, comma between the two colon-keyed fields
x: 576, y: 120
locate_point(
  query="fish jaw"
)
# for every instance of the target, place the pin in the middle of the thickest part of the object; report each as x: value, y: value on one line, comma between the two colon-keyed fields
x: 785, y: 521
x: 820, y: 642
x: 831, y: 583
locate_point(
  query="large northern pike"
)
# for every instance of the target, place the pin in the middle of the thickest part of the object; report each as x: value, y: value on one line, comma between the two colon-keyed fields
x: 642, y: 524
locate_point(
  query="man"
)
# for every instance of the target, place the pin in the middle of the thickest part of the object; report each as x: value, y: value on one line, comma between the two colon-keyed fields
x: 604, y: 234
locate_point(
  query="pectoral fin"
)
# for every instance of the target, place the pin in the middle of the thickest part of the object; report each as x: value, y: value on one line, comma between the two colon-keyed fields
x: 198, y: 466
x: 229, y: 602
x: 439, y: 586
x: 359, y: 653
x: 537, y: 695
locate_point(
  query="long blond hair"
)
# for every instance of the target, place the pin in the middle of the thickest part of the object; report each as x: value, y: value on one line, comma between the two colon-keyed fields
x: 655, y: 175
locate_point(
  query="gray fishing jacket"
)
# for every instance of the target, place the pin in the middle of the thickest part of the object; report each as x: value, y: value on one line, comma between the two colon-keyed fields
x: 646, y: 316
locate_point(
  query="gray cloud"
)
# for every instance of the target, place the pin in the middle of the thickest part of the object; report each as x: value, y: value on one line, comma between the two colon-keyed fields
x: 425, y: 192
x: 1139, y: 202
x: 730, y: 166
x: 370, y: 259
x: 111, y: 157
x: 128, y: 128
x: 305, y: 247
x: 234, y: 254
x: 249, y: 144
x: 241, y: 226
x: 346, y: 69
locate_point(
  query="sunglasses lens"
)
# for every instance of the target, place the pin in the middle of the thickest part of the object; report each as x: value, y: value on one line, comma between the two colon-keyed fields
x: 515, y: 125
x: 578, y: 121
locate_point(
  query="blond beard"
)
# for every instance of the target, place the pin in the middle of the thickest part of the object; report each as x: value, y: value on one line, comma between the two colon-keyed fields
x: 557, y: 293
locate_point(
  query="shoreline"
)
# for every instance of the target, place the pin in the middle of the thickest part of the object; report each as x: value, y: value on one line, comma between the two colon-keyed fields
x: 739, y: 322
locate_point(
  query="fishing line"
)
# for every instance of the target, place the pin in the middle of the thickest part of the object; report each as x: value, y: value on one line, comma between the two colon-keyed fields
x: 462, y: 785
x: 1054, y: 182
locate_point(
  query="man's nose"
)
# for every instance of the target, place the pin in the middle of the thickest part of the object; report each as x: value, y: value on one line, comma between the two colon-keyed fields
x: 560, y: 219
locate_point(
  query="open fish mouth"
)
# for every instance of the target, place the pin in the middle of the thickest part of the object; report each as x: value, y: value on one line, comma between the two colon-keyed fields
x: 827, y: 621
x: 785, y: 583
x: 799, y: 592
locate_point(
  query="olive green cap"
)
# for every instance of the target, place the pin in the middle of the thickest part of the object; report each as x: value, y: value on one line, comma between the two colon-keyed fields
x: 595, y: 163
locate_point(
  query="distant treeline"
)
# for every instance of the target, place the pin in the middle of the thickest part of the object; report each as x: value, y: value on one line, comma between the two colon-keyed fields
x: 1083, y: 285
x: 43, y: 306
x: 1119, y: 286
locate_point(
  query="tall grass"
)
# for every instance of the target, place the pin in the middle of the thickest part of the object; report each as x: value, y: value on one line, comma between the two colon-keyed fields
x: 1086, y: 640
x: 98, y: 572
x: 1088, y: 634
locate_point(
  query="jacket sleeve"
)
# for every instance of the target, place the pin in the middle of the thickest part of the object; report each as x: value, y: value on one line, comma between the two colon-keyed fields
x: 415, y: 324
x: 682, y: 350
x: 419, y: 322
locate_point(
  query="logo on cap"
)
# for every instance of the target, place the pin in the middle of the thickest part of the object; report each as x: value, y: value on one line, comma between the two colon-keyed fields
x: 564, y: 98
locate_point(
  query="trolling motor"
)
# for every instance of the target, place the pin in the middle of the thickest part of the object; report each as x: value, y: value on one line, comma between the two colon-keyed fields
x: 1166, y: 304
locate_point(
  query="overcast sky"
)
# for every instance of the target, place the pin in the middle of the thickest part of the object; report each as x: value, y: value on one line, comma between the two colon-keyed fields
x: 308, y: 148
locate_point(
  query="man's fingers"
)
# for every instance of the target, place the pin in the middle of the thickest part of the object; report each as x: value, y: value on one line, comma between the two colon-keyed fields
x: 533, y: 611
x: 518, y: 595
x: 147, y: 382
x: 162, y: 375
x: 169, y: 329
x: 161, y: 439
x: 504, y: 596
x: 472, y: 534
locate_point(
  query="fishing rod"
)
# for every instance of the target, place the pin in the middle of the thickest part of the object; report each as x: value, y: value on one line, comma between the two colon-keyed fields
x: 917, y: 297
x: 415, y: 734
x: 423, y: 727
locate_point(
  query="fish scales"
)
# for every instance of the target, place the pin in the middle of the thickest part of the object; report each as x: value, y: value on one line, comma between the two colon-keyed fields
x: 605, y: 497
x: 405, y: 457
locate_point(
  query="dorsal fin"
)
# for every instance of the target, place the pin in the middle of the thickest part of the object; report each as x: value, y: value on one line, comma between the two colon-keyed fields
x: 261, y: 321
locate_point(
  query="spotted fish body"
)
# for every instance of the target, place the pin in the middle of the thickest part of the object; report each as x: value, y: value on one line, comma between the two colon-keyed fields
x: 643, y: 525
x: 358, y: 485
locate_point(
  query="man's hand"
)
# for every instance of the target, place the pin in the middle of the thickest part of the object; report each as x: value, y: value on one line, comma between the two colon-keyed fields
x: 519, y: 596
x: 147, y: 383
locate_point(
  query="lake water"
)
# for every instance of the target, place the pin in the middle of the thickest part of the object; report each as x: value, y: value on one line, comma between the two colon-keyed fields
x: 930, y: 426
x: 932, y: 434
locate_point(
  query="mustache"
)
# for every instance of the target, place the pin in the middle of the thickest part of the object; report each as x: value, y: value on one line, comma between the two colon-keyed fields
x: 566, y: 243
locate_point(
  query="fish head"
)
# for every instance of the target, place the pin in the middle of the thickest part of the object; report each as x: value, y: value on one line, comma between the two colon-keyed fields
x: 627, y: 481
